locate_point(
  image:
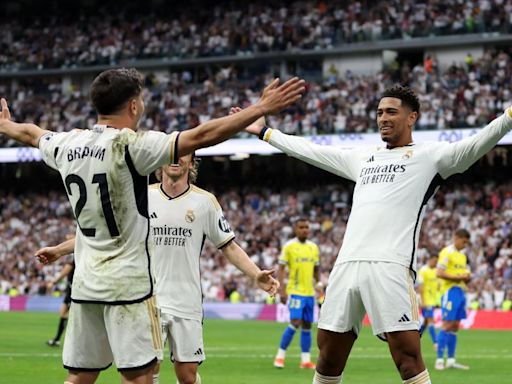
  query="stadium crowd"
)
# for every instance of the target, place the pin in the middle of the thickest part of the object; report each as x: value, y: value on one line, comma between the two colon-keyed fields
x: 262, y: 220
x: 233, y: 28
x: 467, y: 94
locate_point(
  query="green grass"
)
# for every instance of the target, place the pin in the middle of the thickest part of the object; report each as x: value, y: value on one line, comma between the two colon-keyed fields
x: 242, y: 352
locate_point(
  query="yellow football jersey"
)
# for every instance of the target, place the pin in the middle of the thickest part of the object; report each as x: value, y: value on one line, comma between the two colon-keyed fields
x: 454, y: 263
x: 428, y: 279
x: 301, y: 259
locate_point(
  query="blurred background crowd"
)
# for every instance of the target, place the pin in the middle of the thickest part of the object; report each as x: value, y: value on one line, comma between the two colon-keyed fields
x: 466, y: 94
x: 263, y: 221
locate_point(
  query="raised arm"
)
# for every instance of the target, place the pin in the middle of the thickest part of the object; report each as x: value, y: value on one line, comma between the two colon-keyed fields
x: 341, y: 162
x: 25, y: 133
x: 275, y: 98
x: 457, y: 157
x: 239, y: 258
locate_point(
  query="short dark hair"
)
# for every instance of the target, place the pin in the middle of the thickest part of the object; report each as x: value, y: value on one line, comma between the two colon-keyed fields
x: 113, y: 88
x: 300, y: 220
x: 462, y: 233
x: 405, y: 94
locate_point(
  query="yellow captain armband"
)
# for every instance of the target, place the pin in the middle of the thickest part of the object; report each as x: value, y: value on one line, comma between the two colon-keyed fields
x: 509, y: 112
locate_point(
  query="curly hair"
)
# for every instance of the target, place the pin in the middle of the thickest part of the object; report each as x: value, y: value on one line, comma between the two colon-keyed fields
x: 405, y: 94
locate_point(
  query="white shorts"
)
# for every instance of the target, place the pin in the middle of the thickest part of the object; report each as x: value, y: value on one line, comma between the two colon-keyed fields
x: 384, y: 290
x: 185, y: 339
x: 98, y: 334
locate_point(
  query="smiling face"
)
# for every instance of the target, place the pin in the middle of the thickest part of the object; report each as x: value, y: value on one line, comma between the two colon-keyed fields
x: 177, y: 171
x: 395, y: 121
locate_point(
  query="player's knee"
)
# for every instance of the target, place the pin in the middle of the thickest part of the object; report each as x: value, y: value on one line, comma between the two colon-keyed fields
x: 409, y: 365
x: 296, y: 323
x: 188, y: 377
x: 306, y: 325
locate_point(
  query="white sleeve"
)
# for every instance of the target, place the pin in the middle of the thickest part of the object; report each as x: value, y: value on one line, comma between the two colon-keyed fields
x: 50, y: 146
x: 344, y: 163
x: 451, y: 158
x: 150, y: 150
x: 218, y: 230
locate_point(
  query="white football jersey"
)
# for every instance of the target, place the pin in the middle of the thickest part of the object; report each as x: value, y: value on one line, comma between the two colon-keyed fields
x: 392, y: 187
x: 105, y: 175
x: 179, y: 227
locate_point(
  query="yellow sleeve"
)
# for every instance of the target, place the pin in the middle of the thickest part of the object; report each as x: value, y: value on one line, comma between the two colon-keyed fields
x: 443, y: 259
x: 317, y: 255
x: 421, y: 276
x: 285, y: 255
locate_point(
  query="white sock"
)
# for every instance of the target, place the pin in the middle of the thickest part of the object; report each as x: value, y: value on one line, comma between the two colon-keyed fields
x: 421, y: 378
x: 305, y: 357
x: 281, y: 354
x: 450, y: 361
x: 321, y: 379
x: 156, y: 378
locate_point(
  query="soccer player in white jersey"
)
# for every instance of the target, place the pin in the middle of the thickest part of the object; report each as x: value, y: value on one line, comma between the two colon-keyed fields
x: 376, y: 265
x: 105, y: 175
x: 182, y: 216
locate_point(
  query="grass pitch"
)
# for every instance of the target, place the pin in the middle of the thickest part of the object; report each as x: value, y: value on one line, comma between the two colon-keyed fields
x: 242, y: 352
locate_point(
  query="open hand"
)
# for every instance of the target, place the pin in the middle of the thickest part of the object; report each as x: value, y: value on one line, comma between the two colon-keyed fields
x: 277, y: 97
x: 266, y: 282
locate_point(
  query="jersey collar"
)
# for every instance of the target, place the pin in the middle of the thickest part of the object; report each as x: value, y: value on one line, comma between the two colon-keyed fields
x: 175, y: 197
x: 401, y: 146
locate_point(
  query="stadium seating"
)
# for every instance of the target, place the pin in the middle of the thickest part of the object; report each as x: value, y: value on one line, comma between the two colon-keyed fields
x: 235, y: 28
x: 465, y: 95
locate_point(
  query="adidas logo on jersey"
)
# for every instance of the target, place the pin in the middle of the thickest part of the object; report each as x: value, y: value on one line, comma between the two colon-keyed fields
x: 404, y: 318
x: 153, y: 215
x: 198, y: 352
x: 370, y: 159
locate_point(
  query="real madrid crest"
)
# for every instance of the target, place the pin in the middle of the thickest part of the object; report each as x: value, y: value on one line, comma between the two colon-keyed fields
x: 190, y: 216
x: 407, y: 155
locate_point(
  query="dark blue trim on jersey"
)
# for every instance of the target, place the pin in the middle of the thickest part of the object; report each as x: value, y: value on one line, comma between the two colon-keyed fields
x: 85, y: 369
x: 200, y: 278
x: 140, y: 185
x: 175, y: 197
x: 140, y: 189
x: 229, y: 241
x: 431, y: 190
x: 262, y: 132
x: 55, y: 153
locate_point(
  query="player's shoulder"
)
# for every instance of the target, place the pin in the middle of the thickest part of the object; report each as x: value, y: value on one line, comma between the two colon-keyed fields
x: 154, y: 187
x: 447, y: 250
x: 291, y: 242
x: 311, y: 243
x: 204, y: 195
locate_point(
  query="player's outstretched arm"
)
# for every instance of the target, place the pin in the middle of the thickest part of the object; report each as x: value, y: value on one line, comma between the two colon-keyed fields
x: 275, y: 98
x: 25, y: 133
x: 441, y: 273
x: 48, y: 255
x: 334, y: 160
x: 241, y: 260
x: 459, y: 156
